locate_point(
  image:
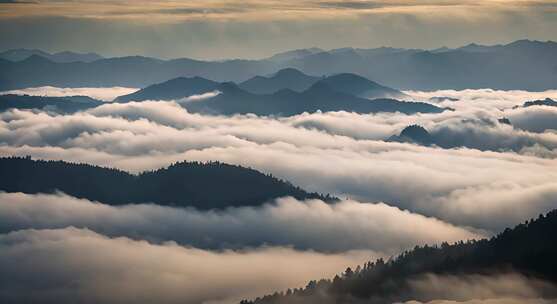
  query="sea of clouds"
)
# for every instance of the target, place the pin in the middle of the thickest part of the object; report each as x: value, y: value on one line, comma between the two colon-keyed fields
x: 485, y: 176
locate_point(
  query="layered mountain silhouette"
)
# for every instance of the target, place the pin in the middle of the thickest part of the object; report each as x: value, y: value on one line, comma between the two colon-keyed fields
x: 319, y: 97
x: 343, y: 92
x: 528, y: 249
x: 523, y: 64
x: 60, y: 57
x: 173, y: 89
x: 186, y: 184
x: 68, y: 104
x: 284, y: 79
x: 359, y: 86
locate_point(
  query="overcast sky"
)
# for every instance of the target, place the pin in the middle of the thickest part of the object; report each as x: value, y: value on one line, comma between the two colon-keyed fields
x: 258, y: 28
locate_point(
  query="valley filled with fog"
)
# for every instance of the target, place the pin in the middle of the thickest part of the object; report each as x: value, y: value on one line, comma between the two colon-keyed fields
x: 485, y: 163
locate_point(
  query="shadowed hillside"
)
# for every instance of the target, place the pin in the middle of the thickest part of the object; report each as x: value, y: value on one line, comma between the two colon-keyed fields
x: 170, y: 90
x: 186, y: 184
x: 528, y: 249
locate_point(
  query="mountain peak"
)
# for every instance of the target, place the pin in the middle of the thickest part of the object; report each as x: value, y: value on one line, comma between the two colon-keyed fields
x: 289, y: 72
x: 359, y: 86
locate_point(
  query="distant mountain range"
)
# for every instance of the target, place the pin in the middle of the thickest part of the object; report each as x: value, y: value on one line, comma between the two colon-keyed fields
x: 529, y: 249
x: 523, y: 64
x: 342, y: 92
x: 283, y: 94
x: 186, y: 184
x: 61, y: 57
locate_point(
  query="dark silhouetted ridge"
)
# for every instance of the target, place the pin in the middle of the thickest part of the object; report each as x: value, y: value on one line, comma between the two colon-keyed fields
x: 321, y: 96
x: 545, y: 102
x: 528, y: 249
x: 360, y: 86
x: 176, y: 88
x: 185, y: 184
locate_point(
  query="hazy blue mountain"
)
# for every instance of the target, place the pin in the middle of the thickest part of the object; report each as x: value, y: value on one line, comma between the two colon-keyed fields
x: 359, y: 86
x: 277, y: 95
x: 284, y: 79
x: 67, y: 104
x: 320, y: 96
x: 61, y: 57
x: 73, y: 57
x: 528, y: 249
x: 523, y: 64
x: 185, y: 184
x: 529, y: 65
x: 172, y: 89
x: 21, y: 54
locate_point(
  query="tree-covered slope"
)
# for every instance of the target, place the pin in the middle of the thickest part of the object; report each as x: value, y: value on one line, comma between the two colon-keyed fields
x: 528, y: 249
x: 186, y: 184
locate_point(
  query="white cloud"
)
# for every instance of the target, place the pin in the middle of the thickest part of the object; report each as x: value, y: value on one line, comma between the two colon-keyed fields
x: 339, y: 153
x: 535, y: 118
x: 312, y: 224
x: 79, y: 266
x: 482, y: 289
x: 199, y: 97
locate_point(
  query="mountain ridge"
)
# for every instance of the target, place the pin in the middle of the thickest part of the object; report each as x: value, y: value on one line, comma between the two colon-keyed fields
x: 182, y: 184
x: 523, y: 64
x: 15, y: 55
x: 527, y: 249
x: 334, y: 93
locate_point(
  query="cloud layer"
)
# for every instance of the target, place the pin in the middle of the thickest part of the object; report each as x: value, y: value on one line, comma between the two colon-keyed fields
x: 339, y: 153
x: 312, y: 225
x: 86, y: 267
x: 503, y: 175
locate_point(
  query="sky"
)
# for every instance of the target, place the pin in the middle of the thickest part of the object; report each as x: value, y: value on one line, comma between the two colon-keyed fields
x: 217, y: 29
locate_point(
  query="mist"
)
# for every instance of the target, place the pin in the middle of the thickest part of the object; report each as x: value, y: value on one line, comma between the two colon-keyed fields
x: 78, y: 265
x: 464, y: 186
x: 306, y: 225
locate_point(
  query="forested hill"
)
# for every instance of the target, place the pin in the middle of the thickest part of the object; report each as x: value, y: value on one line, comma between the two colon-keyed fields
x: 186, y: 184
x: 529, y: 249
